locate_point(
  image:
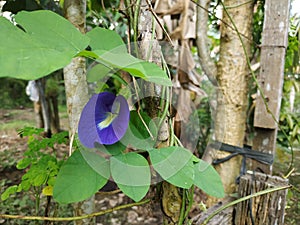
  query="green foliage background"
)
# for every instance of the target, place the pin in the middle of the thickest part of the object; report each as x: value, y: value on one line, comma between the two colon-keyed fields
x: 13, y: 94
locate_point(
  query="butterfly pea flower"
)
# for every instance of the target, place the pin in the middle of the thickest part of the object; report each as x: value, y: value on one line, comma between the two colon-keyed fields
x: 103, y: 120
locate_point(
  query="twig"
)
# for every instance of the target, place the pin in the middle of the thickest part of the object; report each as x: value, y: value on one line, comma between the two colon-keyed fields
x: 71, y: 143
x: 43, y: 218
x: 227, y: 24
x: 106, y: 12
x: 159, y: 23
x: 109, y: 192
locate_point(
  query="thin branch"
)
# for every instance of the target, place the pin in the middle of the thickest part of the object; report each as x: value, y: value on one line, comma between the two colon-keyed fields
x: 159, y: 23
x: 135, y: 21
x: 224, y: 22
x: 139, y: 108
x: 6, y: 216
x: 106, y: 12
x: 207, y: 64
x: 109, y: 192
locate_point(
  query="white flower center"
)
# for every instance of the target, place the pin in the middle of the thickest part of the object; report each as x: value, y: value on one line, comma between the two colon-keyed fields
x: 110, y: 116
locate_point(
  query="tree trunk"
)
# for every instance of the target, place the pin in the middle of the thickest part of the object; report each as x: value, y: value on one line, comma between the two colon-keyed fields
x: 207, y: 64
x: 77, y: 90
x: 44, y: 107
x: 232, y: 80
x: 170, y: 197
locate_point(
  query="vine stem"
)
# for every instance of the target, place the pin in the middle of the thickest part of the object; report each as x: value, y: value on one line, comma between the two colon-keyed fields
x: 21, y: 217
x: 182, y: 210
x: 135, y: 26
x: 159, y: 23
x: 220, y: 19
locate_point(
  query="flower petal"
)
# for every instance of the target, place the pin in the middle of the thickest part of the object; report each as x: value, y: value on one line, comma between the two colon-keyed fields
x: 95, y: 115
x: 121, y: 122
x: 103, y: 106
x: 116, y: 130
x: 87, y: 131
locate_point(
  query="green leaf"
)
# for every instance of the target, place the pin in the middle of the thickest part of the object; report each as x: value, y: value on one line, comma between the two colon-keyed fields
x: 79, y: 177
x: 290, y: 121
x: 295, y: 132
x: 96, y: 162
x: 150, y: 72
x: 131, y: 172
x: 114, y: 149
x: 136, y: 67
x: 23, y: 163
x: 137, y: 134
x: 40, y: 179
x: 48, y: 43
x: 98, y: 72
x: 117, y: 60
x: 9, y: 191
x: 104, y: 39
x: 52, y: 29
x: 25, y: 184
x: 208, y: 180
x: 87, y: 54
x: 174, y: 164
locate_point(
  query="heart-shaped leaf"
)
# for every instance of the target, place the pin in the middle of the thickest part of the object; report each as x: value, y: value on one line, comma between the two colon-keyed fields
x: 136, y: 67
x: 80, y: 177
x: 174, y: 164
x: 131, y: 172
x: 138, y: 135
x: 45, y: 43
x: 104, y: 39
x: 208, y: 180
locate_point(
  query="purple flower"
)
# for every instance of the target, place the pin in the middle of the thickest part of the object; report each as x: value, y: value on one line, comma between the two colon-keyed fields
x: 104, y: 119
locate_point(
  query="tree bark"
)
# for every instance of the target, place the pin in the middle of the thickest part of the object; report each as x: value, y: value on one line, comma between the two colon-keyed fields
x: 232, y: 90
x: 266, y: 209
x: 75, y: 73
x: 77, y: 90
x: 44, y: 107
x: 207, y: 64
x: 170, y: 196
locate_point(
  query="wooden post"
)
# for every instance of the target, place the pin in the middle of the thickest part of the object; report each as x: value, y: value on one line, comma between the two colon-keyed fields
x: 266, y: 209
x: 223, y: 217
x: 273, y: 48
